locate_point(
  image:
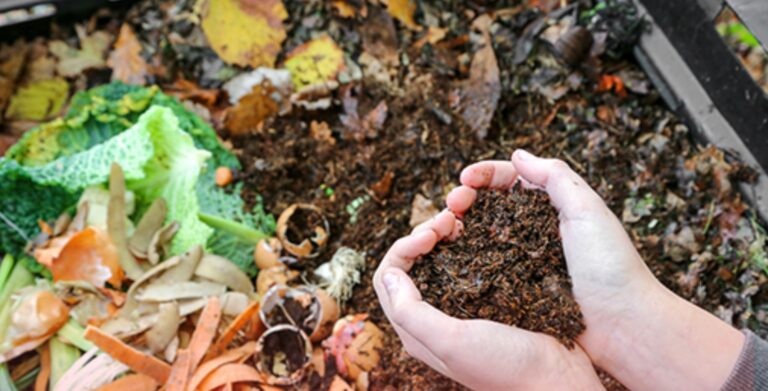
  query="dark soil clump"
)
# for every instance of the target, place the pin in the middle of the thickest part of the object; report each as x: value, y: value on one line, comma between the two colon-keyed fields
x: 507, y: 266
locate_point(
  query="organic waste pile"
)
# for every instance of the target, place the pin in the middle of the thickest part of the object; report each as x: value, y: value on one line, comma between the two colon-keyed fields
x: 199, y: 192
x: 507, y: 266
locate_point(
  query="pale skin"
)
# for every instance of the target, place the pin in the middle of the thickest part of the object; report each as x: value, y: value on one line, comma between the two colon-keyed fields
x: 637, y: 329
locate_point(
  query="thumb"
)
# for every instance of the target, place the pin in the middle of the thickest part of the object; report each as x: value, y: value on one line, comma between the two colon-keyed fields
x: 569, y: 192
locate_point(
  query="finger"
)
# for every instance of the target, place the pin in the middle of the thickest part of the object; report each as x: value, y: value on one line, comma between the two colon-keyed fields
x: 497, y: 174
x: 569, y: 192
x: 442, y: 224
x: 458, y: 228
x: 460, y: 199
x: 417, y: 350
x: 405, y: 250
x: 436, y: 331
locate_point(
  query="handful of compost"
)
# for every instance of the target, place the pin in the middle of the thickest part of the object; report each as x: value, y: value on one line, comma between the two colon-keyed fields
x: 507, y: 266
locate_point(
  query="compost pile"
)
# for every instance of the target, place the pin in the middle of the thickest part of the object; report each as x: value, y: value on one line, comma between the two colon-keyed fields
x: 507, y: 266
x: 267, y: 155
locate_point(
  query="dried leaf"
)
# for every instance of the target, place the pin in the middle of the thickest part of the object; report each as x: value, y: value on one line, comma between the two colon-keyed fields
x: 403, y: 11
x: 248, y: 116
x: 126, y: 61
x: 73, y: 61
x: 89, y: 256
x: 315, y: 62
x: 38, y: 101
x: 480, y: 94
x: 380, y: 37
x: 12, y: 60
x: 422, y: 209
x: 344, y: 9
x: 320, y: 131
x: 245, y: 32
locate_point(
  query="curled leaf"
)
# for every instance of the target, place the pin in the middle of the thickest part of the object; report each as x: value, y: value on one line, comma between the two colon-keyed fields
x: 403, y: 11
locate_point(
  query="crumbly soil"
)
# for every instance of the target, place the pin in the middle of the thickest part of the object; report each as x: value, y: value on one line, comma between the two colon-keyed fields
x: 507, y: 266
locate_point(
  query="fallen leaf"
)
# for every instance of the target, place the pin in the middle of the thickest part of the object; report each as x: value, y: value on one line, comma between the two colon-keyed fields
x: 403, y: 11
x: 346, y: 10
x: 40, y: 65
x: 242, y: 85
x: 250, y: 112
x: 612, y: 83
x: 383, y: 186
x: 188, y: 90
x: 89, y: 256
x: 422, y: 209
x: 38, y: 101
x: 380, y: 37
x: 245, y: 32
x: 73, y: 61
x: 322, y: 132
x: 315, y: 62
x: 481, y: 92
x: 126, y: 61
x: 433, y: 36
x: 12, y: 59
x: 356, y: 128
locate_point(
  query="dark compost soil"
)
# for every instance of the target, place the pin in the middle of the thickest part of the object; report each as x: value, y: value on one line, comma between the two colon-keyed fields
x: 507, y: 266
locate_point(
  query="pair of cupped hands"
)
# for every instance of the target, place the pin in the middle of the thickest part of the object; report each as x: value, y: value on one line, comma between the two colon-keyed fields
x: 636, y: 329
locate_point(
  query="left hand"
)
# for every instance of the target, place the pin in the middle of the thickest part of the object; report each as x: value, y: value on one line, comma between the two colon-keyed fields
x: 479, y: 354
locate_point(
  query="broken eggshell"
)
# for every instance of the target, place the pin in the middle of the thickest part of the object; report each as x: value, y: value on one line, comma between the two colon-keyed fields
x: 267, y: 253
x: 292, y: 227
x: 355, y: 345
x: 282, y: 354
x: 312, y: 310
x: 272, y: 276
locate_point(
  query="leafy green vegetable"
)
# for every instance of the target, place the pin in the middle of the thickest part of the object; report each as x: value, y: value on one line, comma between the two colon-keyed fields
x: 235, y: 230
x: 101, y: 113
x: 155, y: 140
x: 172, y: 173
x: 23, y: 203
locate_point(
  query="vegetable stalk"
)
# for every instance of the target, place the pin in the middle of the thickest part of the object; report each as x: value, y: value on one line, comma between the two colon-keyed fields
x: 241, y: 231
x: 63, y: 355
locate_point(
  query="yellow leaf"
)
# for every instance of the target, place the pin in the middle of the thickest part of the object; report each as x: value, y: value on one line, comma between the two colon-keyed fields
x: 315, y: 62
x: 39, y: 100
x: 127, y: 64
x: 403, y: 10
x: 245, y: 32
x: 73, y: 61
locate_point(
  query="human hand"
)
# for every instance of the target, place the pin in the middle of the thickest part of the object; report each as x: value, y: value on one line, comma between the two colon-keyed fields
x: 636, y: 329
x: 480, y: 354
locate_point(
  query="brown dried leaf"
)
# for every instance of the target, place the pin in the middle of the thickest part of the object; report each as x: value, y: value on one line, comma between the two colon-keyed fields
x: 403, y: 11
x: 481, y: 92
x: 320, y: 131
x: 422, y: 209
x: 247, y: 117
x: 126, y: 61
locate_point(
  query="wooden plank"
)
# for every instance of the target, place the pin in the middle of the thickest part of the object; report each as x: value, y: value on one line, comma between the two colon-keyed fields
x: 685, y: 94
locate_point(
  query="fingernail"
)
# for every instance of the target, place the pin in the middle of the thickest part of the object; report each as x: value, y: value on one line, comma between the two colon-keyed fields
x: 391, y: 282
x: 522, y: 154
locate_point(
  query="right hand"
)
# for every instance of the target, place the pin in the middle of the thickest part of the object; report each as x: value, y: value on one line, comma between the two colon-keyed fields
x: 635, y: 326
